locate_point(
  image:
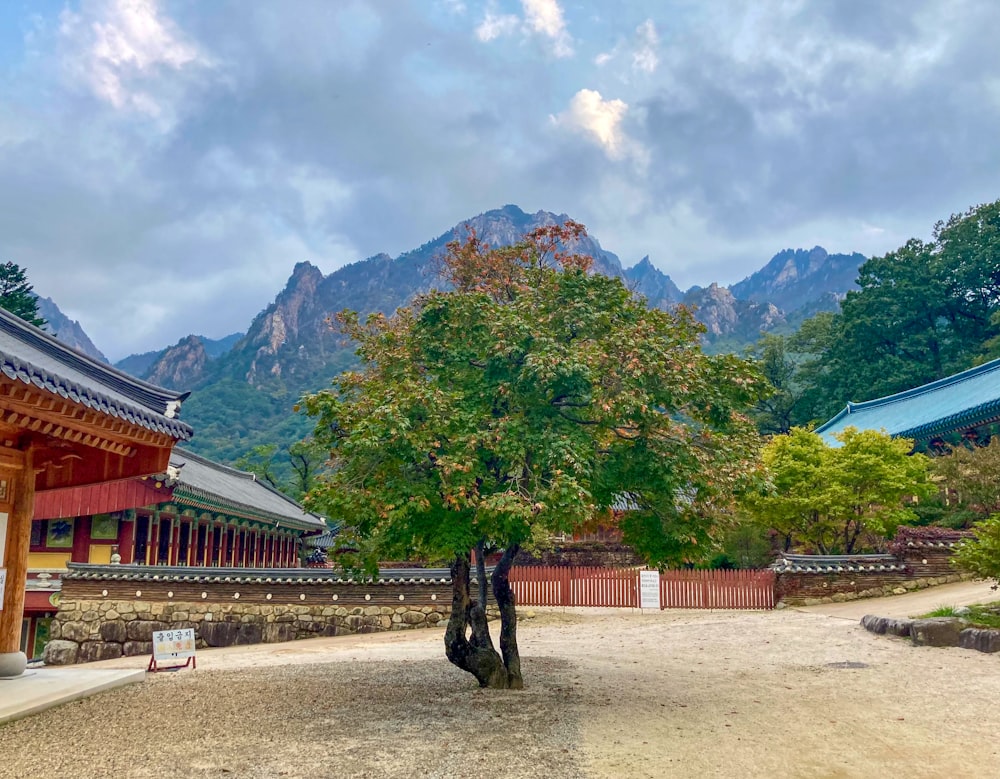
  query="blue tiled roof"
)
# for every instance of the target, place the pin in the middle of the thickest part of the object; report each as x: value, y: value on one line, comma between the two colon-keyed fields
x: 953, y: 403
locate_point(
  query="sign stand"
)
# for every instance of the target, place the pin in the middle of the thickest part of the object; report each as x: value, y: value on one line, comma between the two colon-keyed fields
x: 172, y: 645
x: 649, y: 590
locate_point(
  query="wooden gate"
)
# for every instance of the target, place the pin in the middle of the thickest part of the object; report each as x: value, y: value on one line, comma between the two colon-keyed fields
x: 619, y: 587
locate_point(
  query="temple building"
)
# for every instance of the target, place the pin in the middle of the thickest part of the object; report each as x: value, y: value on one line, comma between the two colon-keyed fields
x: 66, y: 420
x: 963, y: 406
x: 194, y: 513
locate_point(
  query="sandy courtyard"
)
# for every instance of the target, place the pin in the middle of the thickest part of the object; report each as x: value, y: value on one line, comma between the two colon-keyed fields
x: 675, y: 694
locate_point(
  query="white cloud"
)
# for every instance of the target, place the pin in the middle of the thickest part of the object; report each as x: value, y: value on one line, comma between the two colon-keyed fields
x: 600, y: 121
x: 545, y: 17
x: 642, y: 49
x: 542, y: 18
x: 118, y: 48
x: 644, y: 56
x: 496, y: 25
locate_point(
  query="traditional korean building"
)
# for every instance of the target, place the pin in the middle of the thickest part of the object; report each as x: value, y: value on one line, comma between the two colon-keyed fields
x: 66, y: 420
x: 965, y: 405
x: 194, y: 513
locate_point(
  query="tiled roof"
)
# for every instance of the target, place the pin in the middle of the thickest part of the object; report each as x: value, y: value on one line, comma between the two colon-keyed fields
x: 964, y: 400
x: 163, y: 574
x: 34, y: 357
x: 214, y: 486
x: 827, y: 564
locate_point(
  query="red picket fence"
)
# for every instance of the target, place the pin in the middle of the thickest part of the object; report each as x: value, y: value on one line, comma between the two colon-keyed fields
x: 619, y: 587
x: 751, y: 589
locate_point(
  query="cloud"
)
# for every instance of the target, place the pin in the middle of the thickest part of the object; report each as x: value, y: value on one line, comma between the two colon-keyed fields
x: 644, y: 56
x: 121, y: 51
x: 642, y: 50
x: 542, y: 19
x: 600, y: 121
x: 496, y: 25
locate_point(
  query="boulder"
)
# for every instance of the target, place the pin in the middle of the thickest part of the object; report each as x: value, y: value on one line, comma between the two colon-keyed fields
x: 249, y: 634
x: 132, y: 648
x: 60, y: 652
x: 114, y: 631
x: 142, y: 629
x: 980, y: 640
x: 276, y: 632
x: 219, y: 633
x: 75, y: 631
x: 936, y: 631
x: 91, y: 651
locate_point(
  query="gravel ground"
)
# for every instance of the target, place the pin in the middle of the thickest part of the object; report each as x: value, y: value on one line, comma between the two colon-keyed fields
x: 677, y: 694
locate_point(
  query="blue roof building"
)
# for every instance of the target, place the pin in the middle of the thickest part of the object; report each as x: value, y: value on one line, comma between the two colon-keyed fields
x: 952, y: 404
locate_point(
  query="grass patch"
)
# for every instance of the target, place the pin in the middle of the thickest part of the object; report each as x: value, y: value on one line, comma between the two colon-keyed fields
x: 982, y: 615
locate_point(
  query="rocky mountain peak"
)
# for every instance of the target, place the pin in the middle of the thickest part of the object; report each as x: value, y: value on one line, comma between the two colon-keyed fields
x: 181, y: 366
x: 795, y: 277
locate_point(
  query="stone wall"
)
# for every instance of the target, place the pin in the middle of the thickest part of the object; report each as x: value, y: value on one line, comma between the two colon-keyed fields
x: 88, y: 630
x: 109, y: 612
x: 919, y: 564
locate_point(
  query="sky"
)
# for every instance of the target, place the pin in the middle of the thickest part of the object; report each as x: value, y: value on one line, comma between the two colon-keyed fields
x: 164, y: 165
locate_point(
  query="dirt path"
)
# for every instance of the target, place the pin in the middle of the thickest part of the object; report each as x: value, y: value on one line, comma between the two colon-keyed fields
x: 677, y: 694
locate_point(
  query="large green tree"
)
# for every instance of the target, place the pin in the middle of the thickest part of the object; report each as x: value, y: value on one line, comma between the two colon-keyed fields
x: 922, y: 312
x: 16, y: 294
x: 529, y: 400
x: 829, y: 498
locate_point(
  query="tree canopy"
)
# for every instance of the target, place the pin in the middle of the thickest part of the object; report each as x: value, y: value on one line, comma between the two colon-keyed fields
x: 528, y: 400
x: 16, y: 294
x: 921, y: 312
x: 827, y: 498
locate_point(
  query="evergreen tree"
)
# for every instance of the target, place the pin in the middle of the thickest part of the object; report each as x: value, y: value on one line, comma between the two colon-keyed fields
x: 16, y: 294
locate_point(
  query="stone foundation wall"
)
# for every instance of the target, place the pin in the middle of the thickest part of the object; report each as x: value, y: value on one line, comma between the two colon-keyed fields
x: 113, y: 612
x: 797, y: 589
x: 927, y: 562
x: 88, y: 630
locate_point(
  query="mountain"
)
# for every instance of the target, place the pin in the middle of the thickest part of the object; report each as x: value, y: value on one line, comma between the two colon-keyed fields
x: 174, y: 367
x: 653, y: 284
x: 795, y: 278
x: 729, y: 320
x: 67, y: 330
x: 245, y: 388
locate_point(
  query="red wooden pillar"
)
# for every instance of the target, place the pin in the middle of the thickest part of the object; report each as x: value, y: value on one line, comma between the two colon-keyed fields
x: 223, y: 546
x: 16, y: 468
x: 126, y: 538
x: 81, y: 540
x: 209, y: 544
x: 175, y: 542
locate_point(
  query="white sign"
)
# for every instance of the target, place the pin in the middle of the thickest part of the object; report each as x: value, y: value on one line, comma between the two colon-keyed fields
x: 3, y: 536
x: 649, y: 589
x: 3, y: 585
x: 171, y: 645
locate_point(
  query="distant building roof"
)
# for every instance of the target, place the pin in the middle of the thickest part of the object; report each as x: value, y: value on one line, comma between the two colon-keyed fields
x: 29, y: 355
x: 965, y: 400
x: 215, y: 487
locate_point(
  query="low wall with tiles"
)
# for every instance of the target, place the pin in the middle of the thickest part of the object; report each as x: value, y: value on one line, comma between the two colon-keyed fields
x: 917, y: 562
x: 108, y: 611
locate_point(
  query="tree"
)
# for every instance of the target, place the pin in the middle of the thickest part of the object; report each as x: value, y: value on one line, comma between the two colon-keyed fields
x: 828, y: 497
x: 980, y: 555
x: 782, y: 409
x: 971, y: 479
x: 16, y: 294
x: 291, y: 469
x: 527, y: 401
x: 922, y: 312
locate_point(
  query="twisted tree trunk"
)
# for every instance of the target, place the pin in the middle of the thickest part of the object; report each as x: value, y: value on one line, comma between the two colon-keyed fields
x: 467, y: 640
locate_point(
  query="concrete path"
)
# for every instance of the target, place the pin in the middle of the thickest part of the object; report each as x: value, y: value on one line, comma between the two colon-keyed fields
x: 911, y: 604
x: 38, y: 689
